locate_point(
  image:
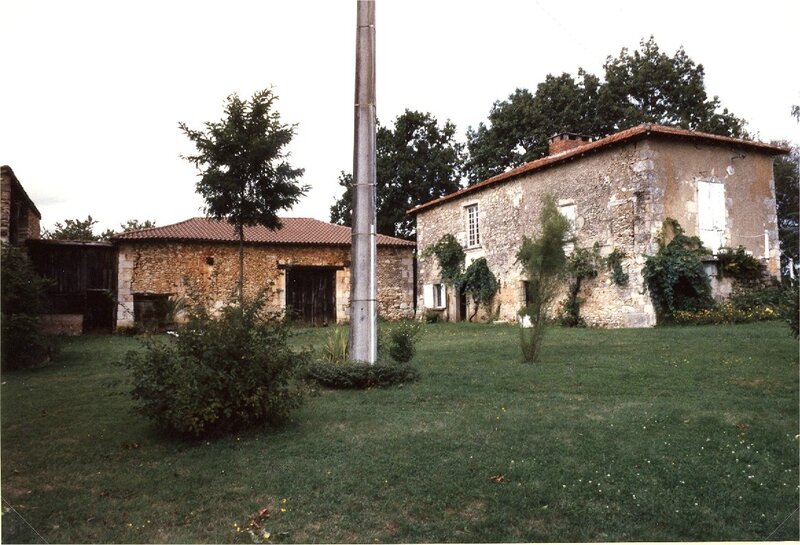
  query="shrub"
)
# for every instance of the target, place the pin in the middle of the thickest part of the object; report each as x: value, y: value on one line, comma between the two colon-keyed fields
x: 403, y: 338
x: 336, y: 346
x: 752, y: 298
x: 361, y: 375
x: 23, y: 299
x: 675, y: 276
x: 738, y: 264
x: 724, y: 313
x: 790, y: 306
x: 219, y: 375
x: 432, y: 316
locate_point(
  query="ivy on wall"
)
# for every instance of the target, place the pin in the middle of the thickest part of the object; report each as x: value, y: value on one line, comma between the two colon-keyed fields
x: 675, y: 276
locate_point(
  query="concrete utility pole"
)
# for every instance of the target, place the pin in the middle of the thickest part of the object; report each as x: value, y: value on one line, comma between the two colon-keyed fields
x: 363, y: 278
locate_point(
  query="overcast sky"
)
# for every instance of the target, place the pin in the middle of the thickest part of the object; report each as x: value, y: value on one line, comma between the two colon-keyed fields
x: 92, y: 91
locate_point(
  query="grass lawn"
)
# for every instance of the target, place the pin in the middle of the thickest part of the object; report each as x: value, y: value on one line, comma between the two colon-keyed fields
x: 656, y: 434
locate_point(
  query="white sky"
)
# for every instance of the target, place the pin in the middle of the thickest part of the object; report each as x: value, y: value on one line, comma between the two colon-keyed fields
x: 92, y: 91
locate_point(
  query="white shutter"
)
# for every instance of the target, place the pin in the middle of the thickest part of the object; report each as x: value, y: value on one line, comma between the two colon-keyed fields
x: 711, y: 215
x: 427, y: 295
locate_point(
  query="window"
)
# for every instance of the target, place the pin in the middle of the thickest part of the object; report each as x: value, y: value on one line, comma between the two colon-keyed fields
x: 435, y: 296
x: 438, y: 296
x: 473, y: 228
x: 711, y: 214
x: 569, y: 210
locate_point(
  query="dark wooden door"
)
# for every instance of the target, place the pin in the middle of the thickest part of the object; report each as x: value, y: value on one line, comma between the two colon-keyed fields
x: 311, y: 294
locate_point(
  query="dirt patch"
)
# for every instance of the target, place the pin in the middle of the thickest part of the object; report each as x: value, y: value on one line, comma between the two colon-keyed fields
x: 473, y: 511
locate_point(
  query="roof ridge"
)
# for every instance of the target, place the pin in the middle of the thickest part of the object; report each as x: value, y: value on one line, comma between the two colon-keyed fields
x: 620, y: 136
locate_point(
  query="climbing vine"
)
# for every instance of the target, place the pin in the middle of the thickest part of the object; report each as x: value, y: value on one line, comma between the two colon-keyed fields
x: 674, y: 275
x: 614, y: 262
x: 481, y: 284
x: 581, y: 265
x: 477, y: 281
x: 450, y: 256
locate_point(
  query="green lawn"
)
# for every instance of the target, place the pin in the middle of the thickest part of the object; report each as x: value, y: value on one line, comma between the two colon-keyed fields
x: 658, y: 434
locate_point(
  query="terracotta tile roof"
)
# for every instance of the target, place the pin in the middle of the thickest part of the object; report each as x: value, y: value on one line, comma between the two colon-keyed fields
x: 304, y: 231
x: 635, y: 133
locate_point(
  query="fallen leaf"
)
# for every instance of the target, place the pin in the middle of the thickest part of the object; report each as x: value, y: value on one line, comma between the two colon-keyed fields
x: 499, y: 478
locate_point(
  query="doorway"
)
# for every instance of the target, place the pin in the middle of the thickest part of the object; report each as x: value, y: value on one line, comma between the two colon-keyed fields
x: 311, y: 295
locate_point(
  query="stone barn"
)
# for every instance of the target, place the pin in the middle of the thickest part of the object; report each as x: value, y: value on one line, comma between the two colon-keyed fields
x: 617, y: 191
x: 305, y: 266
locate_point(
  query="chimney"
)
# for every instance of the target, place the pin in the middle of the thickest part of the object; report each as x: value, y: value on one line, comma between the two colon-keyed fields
x: 567, y: 141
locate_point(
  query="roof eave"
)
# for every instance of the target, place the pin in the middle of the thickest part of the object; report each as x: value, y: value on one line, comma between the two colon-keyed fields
x: 629, y: 135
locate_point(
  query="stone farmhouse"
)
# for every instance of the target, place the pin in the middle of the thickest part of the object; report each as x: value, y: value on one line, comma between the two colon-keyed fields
x: 617, y: 191
x: 305, y: 265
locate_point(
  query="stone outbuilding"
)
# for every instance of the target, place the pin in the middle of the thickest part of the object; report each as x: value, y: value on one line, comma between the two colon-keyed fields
x: 617, y: 191
x: 19, y: 218
x: 305, y: 266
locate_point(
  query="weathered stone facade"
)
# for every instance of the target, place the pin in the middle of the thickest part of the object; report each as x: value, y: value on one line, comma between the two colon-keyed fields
x: 19, y: 217
x: 618, y: 195
x: 207, y: 273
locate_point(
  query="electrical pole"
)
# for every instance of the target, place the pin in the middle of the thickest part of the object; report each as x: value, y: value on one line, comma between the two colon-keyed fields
x: 363, y: 274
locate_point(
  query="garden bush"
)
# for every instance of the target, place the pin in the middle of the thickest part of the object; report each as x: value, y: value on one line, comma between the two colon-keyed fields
x: 219, y: 375
x: 23, y: 299
x: 724, y: 313
x: 739, y: 264
x: 403, y: 339
x: 790, y: 306
x: 361, y: 375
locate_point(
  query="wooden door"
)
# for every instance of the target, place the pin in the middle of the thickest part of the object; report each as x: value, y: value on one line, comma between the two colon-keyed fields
x: 311, y: 294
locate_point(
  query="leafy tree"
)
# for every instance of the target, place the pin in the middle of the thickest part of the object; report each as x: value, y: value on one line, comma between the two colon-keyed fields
x: 245, y: 175
x: 417, y: 160
x: 135, y: 225
x: 73, y: 229
x: 520, y: 126
x: 543, y: 259
x: 650, y: 86
x: 787, y: 191
x: 643, y: 86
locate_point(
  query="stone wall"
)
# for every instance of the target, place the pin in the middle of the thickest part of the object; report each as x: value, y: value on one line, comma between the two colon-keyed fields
x: 207, y: 273
x: 620, y: 197
x: 19, y: 221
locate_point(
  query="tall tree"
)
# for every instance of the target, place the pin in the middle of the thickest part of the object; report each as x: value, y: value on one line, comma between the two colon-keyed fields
x: 418, y: 160
x: 134, y: 225
x: 787, y: 194
x: 520, y: 126
x: 73, y: 229
x: 644, y: 86
x: 245, y: 176
x: 650, y: 86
